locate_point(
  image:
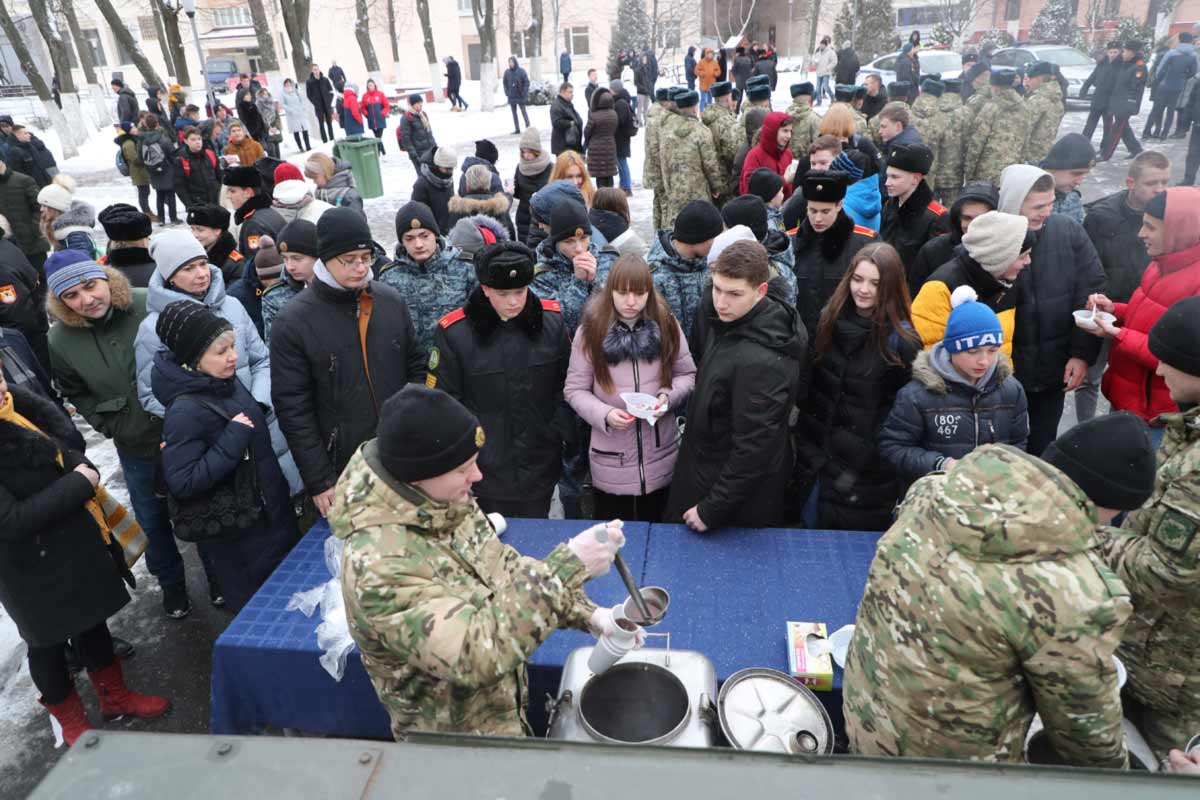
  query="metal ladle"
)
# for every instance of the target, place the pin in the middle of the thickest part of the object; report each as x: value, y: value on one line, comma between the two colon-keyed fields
x: 623, y: 570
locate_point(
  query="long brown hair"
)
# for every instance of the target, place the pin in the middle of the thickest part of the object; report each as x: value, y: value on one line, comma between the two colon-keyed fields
x: 891, y: 314
x: 631, y: 273
x: 566, y: 160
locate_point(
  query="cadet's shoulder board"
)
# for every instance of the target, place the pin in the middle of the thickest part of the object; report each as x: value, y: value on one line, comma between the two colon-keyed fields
x: 453, y: 317
x: 861, y: 231
x: 552, y: 305
x: 235, y: 255
x: 937, y: 208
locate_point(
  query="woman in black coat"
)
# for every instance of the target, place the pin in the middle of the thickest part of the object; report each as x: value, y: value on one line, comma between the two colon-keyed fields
x: 865, y: 345
x: 533, y: 172
x: 59, y: 580
x: 600, y: 138
x: 434, y: 186
x: 212, y: 422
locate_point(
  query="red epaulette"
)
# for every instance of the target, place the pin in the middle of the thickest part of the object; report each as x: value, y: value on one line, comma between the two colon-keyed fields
x: 249, y: 214
x: 453, y: 317
x: 859, y: 229
x: 552, y: 305
x: 793, y: 231
x: 235, y: 255
x: 937, y: 208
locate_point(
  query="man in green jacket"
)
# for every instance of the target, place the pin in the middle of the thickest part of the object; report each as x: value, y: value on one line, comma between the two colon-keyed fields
x: 92, y: 359
x: 1157, y: 554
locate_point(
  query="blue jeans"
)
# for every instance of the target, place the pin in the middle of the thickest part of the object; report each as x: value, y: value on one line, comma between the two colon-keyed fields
x: 162, y: 554
x: 823, y: 88
x: 705, y: 99
x: 623, y: 172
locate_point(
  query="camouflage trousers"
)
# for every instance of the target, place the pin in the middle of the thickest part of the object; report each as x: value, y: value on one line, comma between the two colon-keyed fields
x: 658, y: 211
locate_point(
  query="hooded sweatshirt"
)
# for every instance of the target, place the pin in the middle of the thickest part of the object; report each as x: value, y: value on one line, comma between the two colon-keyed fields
x: 940, y: 249
x: 767, y: 153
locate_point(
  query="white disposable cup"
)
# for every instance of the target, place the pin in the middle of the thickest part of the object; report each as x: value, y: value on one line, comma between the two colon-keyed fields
x: 610, y: 649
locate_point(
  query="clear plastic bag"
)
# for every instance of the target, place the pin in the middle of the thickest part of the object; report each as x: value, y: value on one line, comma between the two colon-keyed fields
x: 333, y: 634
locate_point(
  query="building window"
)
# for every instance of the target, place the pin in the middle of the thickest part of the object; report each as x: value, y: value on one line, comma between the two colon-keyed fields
x: 918, y: 16
x: 146, y: 28
x: 577, y: 41
x: 92, y: 37
x: 237, y: 16
x: 1012, y: 9
x: 464, y: 8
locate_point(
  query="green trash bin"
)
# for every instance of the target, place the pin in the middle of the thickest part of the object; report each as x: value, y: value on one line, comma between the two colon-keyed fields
x: 363, y: 155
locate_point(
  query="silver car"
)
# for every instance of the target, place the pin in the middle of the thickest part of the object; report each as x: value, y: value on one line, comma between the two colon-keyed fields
x: 1074, y: 65
x: 947, y: 63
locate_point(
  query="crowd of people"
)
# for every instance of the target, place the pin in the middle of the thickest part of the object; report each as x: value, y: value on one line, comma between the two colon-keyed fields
x: 866, y: 320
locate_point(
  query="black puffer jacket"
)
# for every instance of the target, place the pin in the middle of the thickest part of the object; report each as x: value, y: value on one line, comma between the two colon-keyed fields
x: 908, y: 227
x: 853, y: 387
x: 19, y: 204
x: 197, y: 177
x: 134, y: 263
x: 524, y: 187
x: 319, y: 386
x: 600, y: 136
x: 511, y: 376
x: 938, y: 415
x: 202, y: 448
x: 57, y: 578
x: 821, y: 261
x: 22, y: 299
x: 736, y: 455
x: 940, y: 249
x: 1113, y: 228
x: 32, y: 158
x: 1063, y: 270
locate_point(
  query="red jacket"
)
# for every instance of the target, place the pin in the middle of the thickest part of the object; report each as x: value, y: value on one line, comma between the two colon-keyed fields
x: 376, y: 106
x: 766, y: 153
x: 1129, y: 382
x: 350, y: 103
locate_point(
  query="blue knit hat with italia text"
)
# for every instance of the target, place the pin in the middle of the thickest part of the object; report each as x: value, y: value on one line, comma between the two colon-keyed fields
x: 971, y: 324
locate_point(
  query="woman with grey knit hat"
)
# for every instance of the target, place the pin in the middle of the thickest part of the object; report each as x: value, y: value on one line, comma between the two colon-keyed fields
x: 993, y: 252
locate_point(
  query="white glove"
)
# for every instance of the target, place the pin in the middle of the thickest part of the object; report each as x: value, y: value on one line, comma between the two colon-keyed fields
x: 597, y: 546
x: 602, y: 623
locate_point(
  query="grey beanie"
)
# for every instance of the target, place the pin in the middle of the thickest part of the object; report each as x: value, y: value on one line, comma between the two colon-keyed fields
x: 995, y: 239
x: 172, y: 249
x: 445, y: 158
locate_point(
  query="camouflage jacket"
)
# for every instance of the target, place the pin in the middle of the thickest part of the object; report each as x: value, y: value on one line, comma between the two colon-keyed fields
x: 986, y: 603
x: 1157, y: 554
x: 433, y: 289
x: 681, y: 280
x: 444, y: 614
x: 689, y: 163
x: 997, y: 138
x: 975, y: 104
x: 806, y: 127
x: 554, y: 279
x: 728, y: 137
x: 927, y: 118
x: 861, y: 127
x: 873, y: 131
x: 1046, y: 110
x: 275, y: 298
x: 1069, y: 205
x: 651, y: 171
x: 949, y: 148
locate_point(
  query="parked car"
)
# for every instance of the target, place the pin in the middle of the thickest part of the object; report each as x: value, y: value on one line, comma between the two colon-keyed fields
x: 1074, y: 65
x: 945, y: 62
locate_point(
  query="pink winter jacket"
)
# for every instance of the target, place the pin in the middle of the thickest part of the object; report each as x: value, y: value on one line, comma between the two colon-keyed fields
x: 617, y: 467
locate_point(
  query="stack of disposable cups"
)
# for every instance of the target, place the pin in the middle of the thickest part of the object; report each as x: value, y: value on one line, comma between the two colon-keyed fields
x: 610, y: 649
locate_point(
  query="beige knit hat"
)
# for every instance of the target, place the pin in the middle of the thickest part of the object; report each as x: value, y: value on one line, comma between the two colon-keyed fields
x: 531, y: 139
x: 995, y: 239
x: 445, y: 157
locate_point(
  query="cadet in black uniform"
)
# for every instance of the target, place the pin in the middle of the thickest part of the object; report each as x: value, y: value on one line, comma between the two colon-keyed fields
x: 911, y: 217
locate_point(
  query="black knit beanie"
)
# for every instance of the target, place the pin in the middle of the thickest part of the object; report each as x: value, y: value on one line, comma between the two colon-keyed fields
x: 424, y: 433
x: 1174, y: 338
x: 1156, y: 206
x: 748, y: 210
x: 340, y: 230
x: 765, y: 183
x: 413, y: 216
x: 698, y: 222
x: 569, y: 219
x: 299, y: 236
x: 187, y: 328
x: 1110, y: 458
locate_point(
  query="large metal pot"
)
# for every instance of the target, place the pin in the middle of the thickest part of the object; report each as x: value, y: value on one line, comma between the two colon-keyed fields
x: 636, y: 703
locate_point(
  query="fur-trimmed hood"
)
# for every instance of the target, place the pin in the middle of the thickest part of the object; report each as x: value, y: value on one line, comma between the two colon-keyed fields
x: 493, y: 205
x: 80, y: 217
x: 486, y: 321
x: 926, y: 373
x: 118, y: 286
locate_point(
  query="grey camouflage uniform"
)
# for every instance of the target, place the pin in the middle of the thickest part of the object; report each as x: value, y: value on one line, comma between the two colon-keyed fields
x: 554, y: 279
x: 728, y: 136
x: 987, y: 602
x: 997, y: 137
x: 444, y: 614
x: 433, y: 289
x: 1157, y: 554
x: 681, y: 280
x: 689, y: 164
x: 1046, y: 110
x: 275, y: 298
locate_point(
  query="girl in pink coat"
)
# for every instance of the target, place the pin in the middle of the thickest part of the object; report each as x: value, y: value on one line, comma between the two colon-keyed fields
x: 628, y: 341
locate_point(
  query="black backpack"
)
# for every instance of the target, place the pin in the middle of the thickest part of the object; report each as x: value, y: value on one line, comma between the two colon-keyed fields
x: 154, y: 156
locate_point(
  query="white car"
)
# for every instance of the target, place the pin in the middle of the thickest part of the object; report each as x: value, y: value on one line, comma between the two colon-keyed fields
x: 947, y: 63
x: 1074, y: 65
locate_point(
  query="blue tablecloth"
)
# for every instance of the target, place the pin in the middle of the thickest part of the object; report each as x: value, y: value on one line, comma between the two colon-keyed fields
x: 265, y: 669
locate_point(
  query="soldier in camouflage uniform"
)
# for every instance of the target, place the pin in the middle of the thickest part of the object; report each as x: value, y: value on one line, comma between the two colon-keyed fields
x: 651, y: 171
x: 981, y: 95
x: 985, y: 604
x: 298, y: 245
x: 806, y: 125
x: 1044, y: 102
x: 427, y: 271
x: 1157, y: 554
x: 728, y: 135
x: 569, y: 264
x: 688, y: 159
x: 927, y: 119
x: 948, y: 177
x: 444, y: 614
x: 999, y: 132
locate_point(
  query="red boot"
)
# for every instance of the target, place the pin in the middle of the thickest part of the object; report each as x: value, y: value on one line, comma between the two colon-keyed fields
x: 117, y: 701
x: 70, y: 716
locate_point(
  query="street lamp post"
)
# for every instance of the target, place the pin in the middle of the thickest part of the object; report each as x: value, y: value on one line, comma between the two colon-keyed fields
x: 189, y: 8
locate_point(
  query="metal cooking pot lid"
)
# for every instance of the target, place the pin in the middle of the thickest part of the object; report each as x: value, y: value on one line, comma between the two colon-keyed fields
x: 767, y: 710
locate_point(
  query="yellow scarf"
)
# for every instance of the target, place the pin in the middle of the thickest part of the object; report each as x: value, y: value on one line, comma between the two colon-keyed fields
x: 110, y: 516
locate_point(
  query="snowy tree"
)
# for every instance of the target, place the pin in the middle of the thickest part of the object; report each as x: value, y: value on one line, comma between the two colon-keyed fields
x: 102, y: 113
x: 362, y: 32
x: 996, y: 38
x: 435, y: 71
x: 1055, y: 23
x: 1130, y: 28
x: 58, y: 122
x: 484, y: 12
x: 870, y: 25
x: 632, y: 32
x: 267, y: 58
